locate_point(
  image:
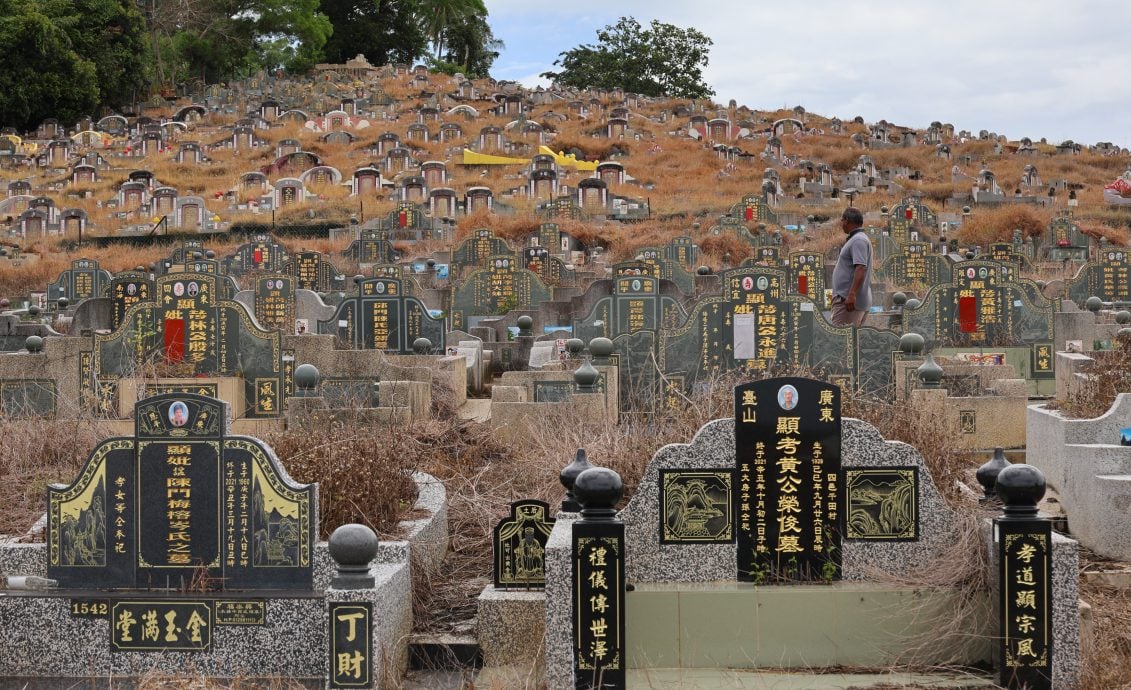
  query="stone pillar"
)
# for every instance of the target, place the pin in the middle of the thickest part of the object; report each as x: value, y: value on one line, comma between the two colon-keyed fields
x: 1025, y: 584
x: 598, y: 591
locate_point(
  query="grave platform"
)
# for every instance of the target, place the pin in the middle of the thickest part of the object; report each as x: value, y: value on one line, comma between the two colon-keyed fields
x: 732, y: 625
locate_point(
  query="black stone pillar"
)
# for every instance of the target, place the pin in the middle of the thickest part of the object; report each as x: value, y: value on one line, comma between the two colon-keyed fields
x: 1025, y: 596
x: 598, y: 583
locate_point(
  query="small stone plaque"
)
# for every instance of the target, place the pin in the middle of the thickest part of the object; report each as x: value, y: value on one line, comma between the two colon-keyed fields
x: 968, y: 421
x: 882, y: 503
x: 520, y: 545
x: 351, y: 645
x: 90, y: 608
x: 161, y: 626
x: 695, y: 507
x: 249, y: 612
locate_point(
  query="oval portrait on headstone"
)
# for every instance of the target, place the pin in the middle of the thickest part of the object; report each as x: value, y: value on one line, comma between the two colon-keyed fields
x: 380, y: 288
x: 178, y: 289
x: 787, y: 397
x: 763, y: 282
x: 193, y: 289
x: 131, y: 289
x: 982, y: 272
x: 636, y: 286
x: 970, y: 272
x: 178, y: 413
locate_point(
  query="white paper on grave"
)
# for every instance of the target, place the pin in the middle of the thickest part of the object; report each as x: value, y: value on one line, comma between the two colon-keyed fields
x: 745, y: 337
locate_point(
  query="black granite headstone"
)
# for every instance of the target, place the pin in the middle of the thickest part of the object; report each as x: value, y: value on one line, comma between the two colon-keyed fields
x: 182, y: 505
x: 788, y: 499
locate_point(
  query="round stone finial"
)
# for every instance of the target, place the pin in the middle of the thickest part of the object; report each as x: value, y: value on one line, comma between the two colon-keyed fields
x: 761, y: 227
x: 899, y: 299
x: 431, y: 263
x: 358, y: 278
x: 34, y: 343
x: 600, y: 348
x: 1094, y: 304
x: 930, y: 373
x: 586, y: 377
x: 966, y: 210
x: 1123, y: 317
x: 911, y: 343
x: 569, y: 475
x: 1020, y: 488
x: 912, y: 303
x: 524, y: 323
x: 307, y: 378
x: 33, y: 310
x: 64, y: 302
x: 5, y: 303
x: 703, y: 270
x: 152, y: 268
x: 987, y: 474
x: 597, y: 490
x: 574, y: 346
x: 139, y: 268
x: 1123, y: 336
x: 883, y: 210
x: 422, y: 346
x: 970, y: 254
x: 210, y: 254
x: 353, y: 547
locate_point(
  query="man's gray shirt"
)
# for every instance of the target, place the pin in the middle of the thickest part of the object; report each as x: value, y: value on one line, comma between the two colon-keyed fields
x: 857, y: 251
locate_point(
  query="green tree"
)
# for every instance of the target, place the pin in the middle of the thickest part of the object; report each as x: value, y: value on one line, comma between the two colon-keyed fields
x: 470, y: 47
x: 111, y: 34
x: 662, y: 60
x: 384, y: 31
x: 217, y: 40
x: 440, y: 15
x: 41, y: 75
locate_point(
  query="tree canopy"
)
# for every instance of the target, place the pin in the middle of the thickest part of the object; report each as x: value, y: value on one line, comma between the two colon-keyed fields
x: 661, y: 60
x: 63, y: 58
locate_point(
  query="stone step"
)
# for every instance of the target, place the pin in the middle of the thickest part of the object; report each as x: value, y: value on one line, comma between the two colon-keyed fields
x: 443, y: 652
x: 730, y: 625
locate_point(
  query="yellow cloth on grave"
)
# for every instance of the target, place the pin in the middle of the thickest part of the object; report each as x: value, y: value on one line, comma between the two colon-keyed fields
x: 570, y: 160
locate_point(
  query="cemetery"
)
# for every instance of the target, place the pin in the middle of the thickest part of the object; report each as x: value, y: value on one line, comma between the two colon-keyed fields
x: 386, y: 378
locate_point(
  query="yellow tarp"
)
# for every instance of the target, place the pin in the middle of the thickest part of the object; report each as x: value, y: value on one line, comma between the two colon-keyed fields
x: 473, y: 158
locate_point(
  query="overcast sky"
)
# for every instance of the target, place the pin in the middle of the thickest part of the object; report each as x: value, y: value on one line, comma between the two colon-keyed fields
x: 1060, y: 70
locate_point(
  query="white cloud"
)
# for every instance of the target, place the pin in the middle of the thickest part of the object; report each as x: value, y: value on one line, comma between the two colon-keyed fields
x: 1041, y: 68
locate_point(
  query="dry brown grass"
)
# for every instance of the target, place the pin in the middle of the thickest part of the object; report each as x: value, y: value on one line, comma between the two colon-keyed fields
x: 1108, y: 377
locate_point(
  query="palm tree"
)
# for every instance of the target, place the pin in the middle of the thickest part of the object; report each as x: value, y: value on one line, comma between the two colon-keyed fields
x: 438, y: 15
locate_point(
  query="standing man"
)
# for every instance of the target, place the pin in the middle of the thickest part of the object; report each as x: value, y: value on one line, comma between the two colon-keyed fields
x: 852, y: 277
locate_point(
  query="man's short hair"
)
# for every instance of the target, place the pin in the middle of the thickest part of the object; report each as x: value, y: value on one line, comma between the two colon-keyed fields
x: 853, y: 215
